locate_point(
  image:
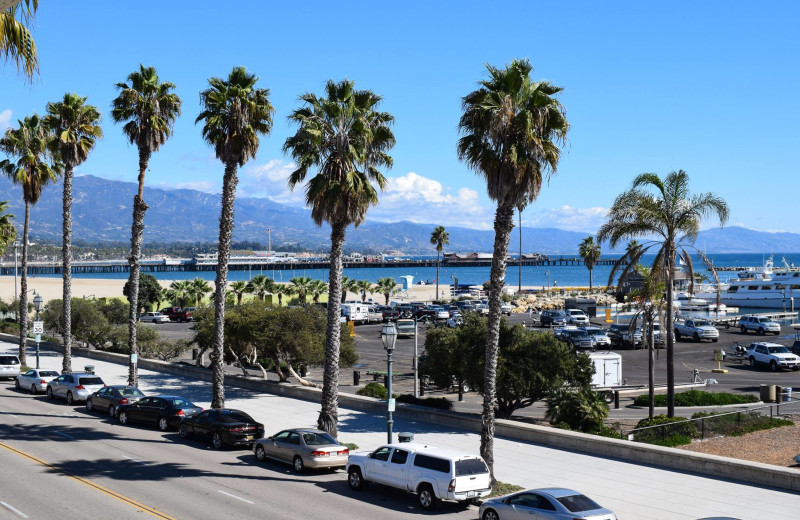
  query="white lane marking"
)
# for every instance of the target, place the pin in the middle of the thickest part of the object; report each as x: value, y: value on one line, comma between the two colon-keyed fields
x: 134, y: 460
x: 7, y: 413
x: 15, y: 510
x: 234, y: 496
x: 64, y: 434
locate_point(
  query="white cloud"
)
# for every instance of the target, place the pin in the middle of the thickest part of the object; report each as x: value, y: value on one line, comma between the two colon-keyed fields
x: 566, y: 217
x: 5, y: 119
x: 270, y: 181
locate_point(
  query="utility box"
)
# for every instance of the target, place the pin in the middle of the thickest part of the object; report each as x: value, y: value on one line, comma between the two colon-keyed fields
x: 587, y: 305
x: 607, y: 369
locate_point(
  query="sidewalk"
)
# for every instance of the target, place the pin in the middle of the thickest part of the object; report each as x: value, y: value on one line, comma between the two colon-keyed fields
x: 632, y: 491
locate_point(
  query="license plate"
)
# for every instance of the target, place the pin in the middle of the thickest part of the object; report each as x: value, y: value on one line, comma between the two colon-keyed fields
x: 470, y: 494
x: 248, y: 437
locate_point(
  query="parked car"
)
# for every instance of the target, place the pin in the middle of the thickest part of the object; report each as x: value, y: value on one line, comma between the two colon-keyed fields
x: 223, y: 426
x: 173, y: 313
x: 110, y: 397
x: 189, y: 313
x: 374, y: 314
x: 616, y: 331
x: 9, y: 367
x: 153, y: 317
x: 425, y: 315
x: 389, y: 313
x: 505, y: 308
x: 455, y: 321
x: 773, y: 355
x: 430, y: 472
x: 405, y: 328
x: 760, y: 324
x: 76, y: 386
x: 36, y: 380
x: 599, y: 337
x: 697, y: 329
x: 552, y: 319
x: 544, y: 504
x: 303, y: 448
x: 577, y: 317
x: 578, y: 338
x: 165, y: 411
x: 440, y: 312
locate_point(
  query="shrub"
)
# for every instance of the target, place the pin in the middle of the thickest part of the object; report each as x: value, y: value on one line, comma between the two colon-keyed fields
x: 374, y: 389
x: 672, y: 441
x: 698, y: 398
x: 735, y: 424
x: 501, y: 488
x: 675, y: 431
x: 441, y: 403
x: 583, y: 410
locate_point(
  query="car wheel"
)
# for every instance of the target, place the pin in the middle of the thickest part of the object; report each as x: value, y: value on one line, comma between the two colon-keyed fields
x: 183, y: 431
x: 260, y: 453
x: 465, y: 387
x: 33, y: 389
x: 69, y: 398
x: 16, y: 384
x: 773, y: 366
x: 112, y: 411
x: 216, y: 441
x: 490, y: 514
x: 744, y: 329
x: 753, y: 362
x: 355, y: 480
x: 50, y: 393
x: 123, y: 417
x: 427, y: 499
x: 163, y: 424
x: 677, y: 335
x: 761, y: 331
x: 88, y: 405
x: 696, y: 337
x: 297, y: 464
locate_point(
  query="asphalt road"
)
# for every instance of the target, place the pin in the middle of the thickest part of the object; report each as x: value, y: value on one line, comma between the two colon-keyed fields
x: 63, y: 462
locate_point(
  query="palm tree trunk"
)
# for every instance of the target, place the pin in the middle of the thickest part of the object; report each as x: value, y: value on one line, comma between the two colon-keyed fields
x: 670, y: 325
x: 436, y: 296
x: 590, y: 279
x: 329, y: 414
x: 66, y: 269
x: 137, y: 230
x: 223, y: 253
x: 503, y: 224
x: 23, y: 288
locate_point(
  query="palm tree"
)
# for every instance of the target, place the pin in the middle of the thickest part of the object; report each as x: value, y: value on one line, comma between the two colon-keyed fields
x: 148, y: 109
x: 282, y: 290
x: 346, y: 140
x: 8, y: 231
x: 439, y: 238
x: 348, y: 285
x: 180, y: 292
x: 301, y: 286
x: 317, y: 288
x: 670, y: 220
x: 31, y: 145
x: 363, y: 287
x: 260, y: 285
x: 386, y: 286
x: 239, y: 287
x: 235, y: 113
x: 16, y: 40
x: 589, y: 250
x: 199, y: 288
x: 511, y: 128
x: 76, y: 127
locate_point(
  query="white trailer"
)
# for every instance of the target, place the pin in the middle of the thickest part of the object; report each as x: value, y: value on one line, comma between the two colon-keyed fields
x: 356, y: 312
x: 607, y: 373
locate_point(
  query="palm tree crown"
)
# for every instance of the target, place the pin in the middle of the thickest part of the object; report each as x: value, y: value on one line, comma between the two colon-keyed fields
x: 589, y: 250
x: 386, y: 286
x: 16, y: 40
x: 8, y: 231
x: 439, y: 238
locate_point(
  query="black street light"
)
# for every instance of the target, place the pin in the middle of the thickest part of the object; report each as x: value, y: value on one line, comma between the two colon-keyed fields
x: 389, y: 337
x: 38, y: 303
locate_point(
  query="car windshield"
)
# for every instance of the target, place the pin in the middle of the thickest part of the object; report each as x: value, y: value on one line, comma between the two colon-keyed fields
x: 48, y: 373
x: 702, y: 324
x: 90, y: 381
x: 9, y: 360
x: 778, y: 350
x: 317, y: 439
x: 764, y: 320
x: 467, y: 467
x: 131, y: 392
x: 578, y: 503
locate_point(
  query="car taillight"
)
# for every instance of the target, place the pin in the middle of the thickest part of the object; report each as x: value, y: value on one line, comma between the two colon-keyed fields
x: 452, y: 486
x: 79, y: 387
x: 317, y: 453
x: 180, y: 412
x: 124, y: 400
x: 43, y: 382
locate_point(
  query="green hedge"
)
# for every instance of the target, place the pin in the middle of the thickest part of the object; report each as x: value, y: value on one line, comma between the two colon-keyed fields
x: 375, y: 390
x: 698, y: 398
x: 675, y: 431
x: 441, y: 403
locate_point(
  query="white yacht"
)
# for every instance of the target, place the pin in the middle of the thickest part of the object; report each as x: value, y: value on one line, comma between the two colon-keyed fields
x: 758, y: 288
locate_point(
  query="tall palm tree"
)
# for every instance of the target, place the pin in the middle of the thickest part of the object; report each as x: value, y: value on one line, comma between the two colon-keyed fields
x: 8, y: 231
x: 147, y: 108
x: 317, y: 288
x: 663, y: 212
x: 180, y: 292
x: 301, y: 286
x: 235, y: 113
x: 239, y: 287
x: 261, y: 285
x: 346, y: 139
x: 348, y: 285
x: 511, y: 130
x: 386, y: 286
x: 281, y: 290
x: 363, y: 287
x: 589, y: 250
x: 76, y: 127
x: 199, y: 288
x: 439, y: 238
x: 16, y: 40
x: 31, y: 146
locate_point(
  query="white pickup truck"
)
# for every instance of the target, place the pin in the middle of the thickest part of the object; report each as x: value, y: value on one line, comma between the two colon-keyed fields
x: 773, y: 355
x: 432, y: 473
x: 696, y: 329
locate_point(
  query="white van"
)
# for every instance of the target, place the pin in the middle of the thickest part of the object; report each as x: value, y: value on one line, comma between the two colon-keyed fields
x: 358, y: 313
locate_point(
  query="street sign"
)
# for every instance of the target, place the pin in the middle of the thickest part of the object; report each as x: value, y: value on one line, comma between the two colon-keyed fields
x: 134, y: 358
x: 38, y: 327
x: 391, y: 405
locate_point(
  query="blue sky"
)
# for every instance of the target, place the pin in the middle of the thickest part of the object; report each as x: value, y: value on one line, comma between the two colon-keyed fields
x: 710, y: 87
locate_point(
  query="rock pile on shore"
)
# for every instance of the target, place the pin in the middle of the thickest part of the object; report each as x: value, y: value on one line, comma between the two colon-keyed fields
x: 551, y: 300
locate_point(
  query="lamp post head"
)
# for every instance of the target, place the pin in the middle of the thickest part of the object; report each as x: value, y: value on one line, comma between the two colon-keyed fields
x: 389, y: 336
x: 38, y: 302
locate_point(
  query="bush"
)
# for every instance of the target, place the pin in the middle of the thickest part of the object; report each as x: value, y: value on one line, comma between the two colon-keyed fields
x: 375, y: 390
x: 501, y: 488
x: 698, y: 398
x: 9, y: 327
x: 583, y: 410
x: 675, y: 431
x: 672, y: 441
x: 736, y: 424
x: 440, y: 403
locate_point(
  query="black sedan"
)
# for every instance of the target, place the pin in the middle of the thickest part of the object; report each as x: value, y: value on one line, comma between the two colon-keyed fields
x: 165, y: 411
x: 110, y: 397
x: 224, y: 426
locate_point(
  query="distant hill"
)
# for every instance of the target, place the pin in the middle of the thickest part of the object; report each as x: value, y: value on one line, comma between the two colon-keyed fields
x: 102, y: 213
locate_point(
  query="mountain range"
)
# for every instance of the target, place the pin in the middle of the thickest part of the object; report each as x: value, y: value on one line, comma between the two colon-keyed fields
x: 101, y: 212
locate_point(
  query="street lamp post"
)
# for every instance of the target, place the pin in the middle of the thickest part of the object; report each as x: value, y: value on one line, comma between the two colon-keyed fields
x: 38, y: 303
x: 548, y: 281
x: 416, y: 360
x: 389, y: 337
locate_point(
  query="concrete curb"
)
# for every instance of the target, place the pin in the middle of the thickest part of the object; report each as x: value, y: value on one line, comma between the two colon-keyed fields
x: 639, y: 453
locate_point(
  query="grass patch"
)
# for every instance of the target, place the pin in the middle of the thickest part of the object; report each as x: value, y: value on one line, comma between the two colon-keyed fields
x: 698, y: 398
x: 503, y: 488
x: 672, y: 441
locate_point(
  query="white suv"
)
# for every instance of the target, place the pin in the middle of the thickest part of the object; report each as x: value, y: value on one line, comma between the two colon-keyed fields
x: 760, y: 324
x: 773, y: 355
x: 577, y: 317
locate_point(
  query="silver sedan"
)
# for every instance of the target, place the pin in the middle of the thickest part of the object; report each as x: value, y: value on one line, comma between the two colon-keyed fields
x: 302, y: 448
x: 544, y: 504
x: 35, y: 380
